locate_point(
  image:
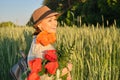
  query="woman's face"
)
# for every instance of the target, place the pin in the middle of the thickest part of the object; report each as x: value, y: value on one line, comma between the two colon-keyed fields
x: 48, y: 24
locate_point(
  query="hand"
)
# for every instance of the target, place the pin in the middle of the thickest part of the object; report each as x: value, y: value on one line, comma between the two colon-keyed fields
x: 69, y: 76
x: 69, y: 66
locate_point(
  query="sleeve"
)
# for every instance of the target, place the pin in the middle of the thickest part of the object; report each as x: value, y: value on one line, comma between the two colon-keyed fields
x: 35, y: 51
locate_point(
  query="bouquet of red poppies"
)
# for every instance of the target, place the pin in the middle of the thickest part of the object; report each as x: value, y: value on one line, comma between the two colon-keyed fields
x: 37, y: 67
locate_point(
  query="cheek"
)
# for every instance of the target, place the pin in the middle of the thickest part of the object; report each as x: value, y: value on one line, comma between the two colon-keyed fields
x: 46, y: 27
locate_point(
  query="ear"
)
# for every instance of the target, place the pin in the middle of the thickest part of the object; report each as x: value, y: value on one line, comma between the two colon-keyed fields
x: 40, y: 27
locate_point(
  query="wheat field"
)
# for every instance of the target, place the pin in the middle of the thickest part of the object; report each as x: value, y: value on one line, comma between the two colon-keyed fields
x: 93, y: 51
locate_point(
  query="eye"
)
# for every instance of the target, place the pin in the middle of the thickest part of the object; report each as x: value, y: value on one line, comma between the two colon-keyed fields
x: 49, y: 20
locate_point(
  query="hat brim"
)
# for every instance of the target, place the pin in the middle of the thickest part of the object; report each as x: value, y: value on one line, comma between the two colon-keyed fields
x: 50, y: 14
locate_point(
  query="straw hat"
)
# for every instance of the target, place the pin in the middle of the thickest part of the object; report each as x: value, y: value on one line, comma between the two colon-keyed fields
x: 41, y: 13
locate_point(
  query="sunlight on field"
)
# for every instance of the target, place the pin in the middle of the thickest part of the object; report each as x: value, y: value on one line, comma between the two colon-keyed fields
x: 94, y: 52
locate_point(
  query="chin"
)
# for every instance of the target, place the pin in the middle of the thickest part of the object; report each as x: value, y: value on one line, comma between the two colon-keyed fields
x: 52, y: 31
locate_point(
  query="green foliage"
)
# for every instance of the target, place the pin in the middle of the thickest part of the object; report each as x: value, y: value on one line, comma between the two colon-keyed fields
x: 7, y: 24
x: 12, y: 40
x: 53, y: 4
x: 93, y: 50
x: 30, y: 22
x: 69, y: 20
x: 89, y: 10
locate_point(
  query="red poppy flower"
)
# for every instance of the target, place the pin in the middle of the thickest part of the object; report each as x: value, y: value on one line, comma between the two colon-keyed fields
x: 51, y: 67
x: 50, y: 55
x: 35, y: 65
x: 33, y: 76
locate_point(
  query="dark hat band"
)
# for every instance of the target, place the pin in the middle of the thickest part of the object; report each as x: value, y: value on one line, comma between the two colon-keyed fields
x: 43, y: 16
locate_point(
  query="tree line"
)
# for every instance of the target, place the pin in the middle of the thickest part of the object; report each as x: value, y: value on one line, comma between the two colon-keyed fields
x: 78, y: 12
x: 7, y: 24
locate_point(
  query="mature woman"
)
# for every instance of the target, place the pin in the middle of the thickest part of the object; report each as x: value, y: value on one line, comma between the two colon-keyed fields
x: 42, y: 57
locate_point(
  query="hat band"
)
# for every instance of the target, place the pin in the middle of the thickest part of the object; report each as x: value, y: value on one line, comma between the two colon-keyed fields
x: 44, y: 15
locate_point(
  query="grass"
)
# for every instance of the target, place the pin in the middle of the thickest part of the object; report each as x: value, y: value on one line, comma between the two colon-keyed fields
x: 94, y: 51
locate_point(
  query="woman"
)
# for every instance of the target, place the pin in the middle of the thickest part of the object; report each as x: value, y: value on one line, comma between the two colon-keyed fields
x: 42, y: 57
